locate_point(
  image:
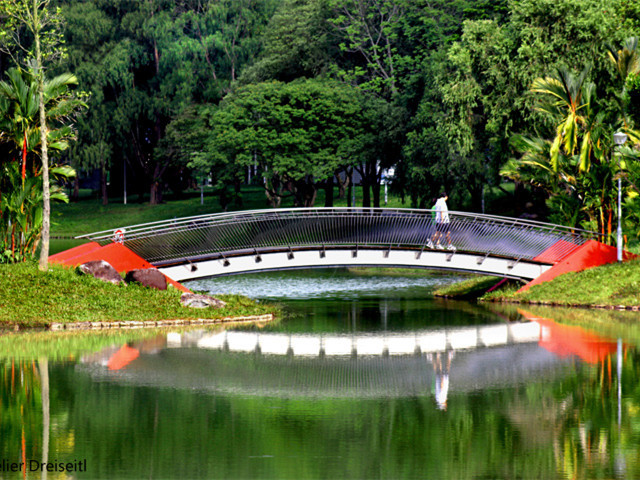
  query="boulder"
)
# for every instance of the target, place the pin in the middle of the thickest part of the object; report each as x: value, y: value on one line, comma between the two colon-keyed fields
x: 102, y: 271
x: 149, y: 277
x: 195, y: 300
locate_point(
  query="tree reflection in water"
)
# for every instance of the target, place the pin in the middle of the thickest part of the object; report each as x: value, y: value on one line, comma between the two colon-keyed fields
x: 562, y: 422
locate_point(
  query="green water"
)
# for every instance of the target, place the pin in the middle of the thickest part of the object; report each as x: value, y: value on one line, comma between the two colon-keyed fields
x: 172, y: 405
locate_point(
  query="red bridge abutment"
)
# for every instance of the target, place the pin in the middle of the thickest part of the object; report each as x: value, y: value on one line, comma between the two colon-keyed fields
x: 117, y: 255
x: 589, y: 255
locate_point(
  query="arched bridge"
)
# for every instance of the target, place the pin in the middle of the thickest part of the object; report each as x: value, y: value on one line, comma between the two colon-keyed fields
x: 249, y: 241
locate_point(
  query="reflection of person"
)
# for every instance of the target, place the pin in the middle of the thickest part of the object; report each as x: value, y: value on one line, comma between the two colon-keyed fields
x: 441, y: 371
x: 443, y: 228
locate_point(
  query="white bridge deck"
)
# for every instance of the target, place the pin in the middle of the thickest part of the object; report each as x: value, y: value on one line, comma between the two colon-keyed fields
x: 260, y: 240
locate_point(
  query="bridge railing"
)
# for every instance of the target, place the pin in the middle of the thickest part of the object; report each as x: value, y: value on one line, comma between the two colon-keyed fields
x: 202, y: 236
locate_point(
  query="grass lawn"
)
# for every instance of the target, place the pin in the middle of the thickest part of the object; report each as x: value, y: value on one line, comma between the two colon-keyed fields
x: 613, y: 284
x: 30, y: 298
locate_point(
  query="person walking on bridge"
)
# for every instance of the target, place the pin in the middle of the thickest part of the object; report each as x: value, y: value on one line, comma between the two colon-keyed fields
x: 443, y: 227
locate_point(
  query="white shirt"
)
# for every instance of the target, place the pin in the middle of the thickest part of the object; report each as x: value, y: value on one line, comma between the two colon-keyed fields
x: 442, y: 212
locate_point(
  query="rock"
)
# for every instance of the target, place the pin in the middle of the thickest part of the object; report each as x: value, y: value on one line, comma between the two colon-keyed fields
x: 149, y: 277
x: 195, y: 300
x: 102, y: 271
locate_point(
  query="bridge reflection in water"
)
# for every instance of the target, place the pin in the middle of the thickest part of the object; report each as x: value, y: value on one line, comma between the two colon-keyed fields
x: 427, y: 362
x: 427, y: 341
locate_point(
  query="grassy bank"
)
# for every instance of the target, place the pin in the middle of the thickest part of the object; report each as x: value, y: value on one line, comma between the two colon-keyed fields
x: 392, y: 272
x: 609, y: 285
x: 29, y: 298
x: 36, y: 344
x: 468, y: 289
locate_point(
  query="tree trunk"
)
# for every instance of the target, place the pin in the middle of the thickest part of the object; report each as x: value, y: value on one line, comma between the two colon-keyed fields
x: 103, y: 184
x: 43, y: 264
x: 328, y: 196
x: 343, y: 184
x: 375, y: 188
x: 237, y: 187
x: 156, y: 187
x: 273, y: 191
x: 43, y: 367
x: 223, y: 198
x: 154, y: 193
x: 305, y: 192
x: 366, y: 193
x: 75, y: 196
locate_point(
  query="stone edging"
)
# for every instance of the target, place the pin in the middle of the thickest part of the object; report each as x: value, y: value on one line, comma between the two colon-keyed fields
x: 159, y: 324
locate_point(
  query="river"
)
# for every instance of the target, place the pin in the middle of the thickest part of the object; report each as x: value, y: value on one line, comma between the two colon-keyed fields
x: 365, y: 376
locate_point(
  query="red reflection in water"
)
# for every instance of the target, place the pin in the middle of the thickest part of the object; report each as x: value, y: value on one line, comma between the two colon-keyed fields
x: 123, y: 357
x: 567, y: 340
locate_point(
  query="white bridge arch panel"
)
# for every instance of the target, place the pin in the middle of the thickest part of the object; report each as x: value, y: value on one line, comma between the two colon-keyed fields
x: 242, y: 342
x: 490, y: 336
x: 274, y: 344
x: 402, y: 345
x: 463, y: 338
x: 371, y: 343
x: 436, y: 259
x: 338, y: 345
x: 433, y: 342
x: 305, y: 345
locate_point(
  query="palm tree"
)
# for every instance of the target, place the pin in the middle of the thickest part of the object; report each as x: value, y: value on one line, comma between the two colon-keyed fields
x: 627, y: 64
x: 21, y: 212
x: 19, y: 104
x: 627, y: 59
x: 573, y: 166
x: 569, y: 102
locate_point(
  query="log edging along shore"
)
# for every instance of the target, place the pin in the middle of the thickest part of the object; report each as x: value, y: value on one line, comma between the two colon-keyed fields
x: 56, y: 326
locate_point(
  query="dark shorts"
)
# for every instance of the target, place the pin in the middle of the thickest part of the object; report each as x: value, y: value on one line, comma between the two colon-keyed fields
x: 442, y: 227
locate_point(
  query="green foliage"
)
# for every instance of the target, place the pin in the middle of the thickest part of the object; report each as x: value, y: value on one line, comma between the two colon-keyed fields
x: 478, y: 91
x: 453, y: 78
x: 297, y: 133
x: 577, y: 166
x: 20, y: 108
x: 44, y: 26
x: 370, y: 30
x: 146, y: 64
x: 297, y: 42
x: 21, y: 197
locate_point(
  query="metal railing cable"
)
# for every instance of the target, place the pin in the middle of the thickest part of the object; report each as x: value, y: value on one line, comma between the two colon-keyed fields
x: 262, y: 230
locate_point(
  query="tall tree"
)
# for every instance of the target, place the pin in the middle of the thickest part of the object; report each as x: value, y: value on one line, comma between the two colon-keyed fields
x: 297, y: 42
x: 148, y: 61
x: 300, y: 133
x: 43, y: 24
x: 478, y: 93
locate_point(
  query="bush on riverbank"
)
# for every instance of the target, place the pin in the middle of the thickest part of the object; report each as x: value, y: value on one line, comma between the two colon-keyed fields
x: 30, y: 298
x: 609, y: 285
